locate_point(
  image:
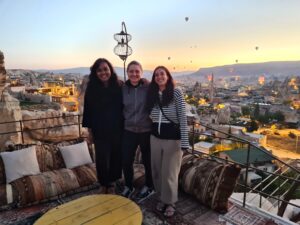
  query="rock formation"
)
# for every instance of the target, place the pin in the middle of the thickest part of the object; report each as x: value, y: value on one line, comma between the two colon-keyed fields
x: 2, y: 73
x: 9, y: 110
x: 81, y: 92
x: 60, y: 130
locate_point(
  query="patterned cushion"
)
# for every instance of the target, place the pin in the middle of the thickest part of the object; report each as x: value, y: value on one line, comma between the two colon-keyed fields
x: 86, y: 175
x: 8, y: 196
x: 53, y: 159
x: 209, y: 181
x: 54, y: 181
x: 33, y: 189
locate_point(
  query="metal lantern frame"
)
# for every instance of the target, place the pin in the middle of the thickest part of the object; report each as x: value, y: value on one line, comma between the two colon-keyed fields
x: 123, y: 50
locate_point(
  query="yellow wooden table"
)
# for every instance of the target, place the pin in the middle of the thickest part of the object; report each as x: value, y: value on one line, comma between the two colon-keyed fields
x: 94, y: 209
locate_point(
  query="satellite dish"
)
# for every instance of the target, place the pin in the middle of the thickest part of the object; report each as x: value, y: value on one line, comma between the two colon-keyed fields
x: 186, y: 19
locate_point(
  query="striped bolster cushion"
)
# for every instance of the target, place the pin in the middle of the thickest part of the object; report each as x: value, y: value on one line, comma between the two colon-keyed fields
x: 34, y: 189
x: 209, y: 181
x: 86, y: 175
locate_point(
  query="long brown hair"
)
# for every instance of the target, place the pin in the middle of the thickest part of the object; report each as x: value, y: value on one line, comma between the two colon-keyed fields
x: 153, y: 91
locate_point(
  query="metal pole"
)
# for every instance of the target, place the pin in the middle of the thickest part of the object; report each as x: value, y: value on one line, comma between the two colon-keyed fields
x: 297, y: 144
x: 193, y: 136
x: 21, y: 127
x: 79, y: 130
x: 124, y: 70
x: 246, y: 175
x: 260, y: 197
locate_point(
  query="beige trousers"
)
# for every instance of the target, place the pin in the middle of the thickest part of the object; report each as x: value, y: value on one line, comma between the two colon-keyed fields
x: 166, y: 156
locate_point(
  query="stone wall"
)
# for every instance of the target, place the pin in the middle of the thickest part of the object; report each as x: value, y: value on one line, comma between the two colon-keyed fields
x: 9, y: 110
x: 37, y: 98
x: 58, y: 133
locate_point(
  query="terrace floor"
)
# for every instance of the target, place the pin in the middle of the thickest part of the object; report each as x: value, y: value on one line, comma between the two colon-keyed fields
x: 189, y: 212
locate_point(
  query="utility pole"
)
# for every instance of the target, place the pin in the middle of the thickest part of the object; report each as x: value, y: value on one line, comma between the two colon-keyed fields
x: 297, y: 143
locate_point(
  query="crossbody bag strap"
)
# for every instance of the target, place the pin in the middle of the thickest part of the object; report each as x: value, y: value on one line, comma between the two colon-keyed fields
x: 165, y: 114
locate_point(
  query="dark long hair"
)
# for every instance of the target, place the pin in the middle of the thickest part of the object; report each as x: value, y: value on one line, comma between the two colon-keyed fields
x: 153, y: 91
x: 93, y: 79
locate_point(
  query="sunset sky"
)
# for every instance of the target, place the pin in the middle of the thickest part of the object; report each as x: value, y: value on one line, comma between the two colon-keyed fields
x: 55, y: 34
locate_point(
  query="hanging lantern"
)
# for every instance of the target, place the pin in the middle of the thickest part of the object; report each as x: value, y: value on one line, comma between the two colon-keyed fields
x: 123, y: 50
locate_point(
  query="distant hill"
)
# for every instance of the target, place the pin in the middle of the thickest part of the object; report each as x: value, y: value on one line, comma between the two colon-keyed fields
x: 119, y: 71
x: 280, y: 68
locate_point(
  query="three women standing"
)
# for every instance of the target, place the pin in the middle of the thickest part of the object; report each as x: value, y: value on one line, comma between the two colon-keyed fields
x: 103, y: 116
x: 108, y: 104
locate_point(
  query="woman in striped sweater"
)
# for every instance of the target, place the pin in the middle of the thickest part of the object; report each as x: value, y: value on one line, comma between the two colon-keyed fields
x: 169, y: 137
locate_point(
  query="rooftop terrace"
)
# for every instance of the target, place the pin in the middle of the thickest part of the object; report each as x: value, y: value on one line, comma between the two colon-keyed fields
x: 189, y: 210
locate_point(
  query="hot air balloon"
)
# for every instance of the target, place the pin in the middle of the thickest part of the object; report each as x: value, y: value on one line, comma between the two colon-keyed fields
x: 169, y: 58
x: 256, y: 48
x: 236, y: 60
x: 174, y: 68
x: 186, y: 19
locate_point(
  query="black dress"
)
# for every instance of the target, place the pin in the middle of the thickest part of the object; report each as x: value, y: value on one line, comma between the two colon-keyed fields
x: 103, y: 115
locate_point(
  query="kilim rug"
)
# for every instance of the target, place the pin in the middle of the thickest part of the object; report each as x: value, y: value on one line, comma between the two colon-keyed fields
x: 238, y: 215
x: 28, y: 215
x: 189, y: 212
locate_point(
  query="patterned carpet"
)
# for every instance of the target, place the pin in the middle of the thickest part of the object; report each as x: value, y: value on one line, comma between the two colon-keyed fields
x: 188, y: 212
x: 28, y: 215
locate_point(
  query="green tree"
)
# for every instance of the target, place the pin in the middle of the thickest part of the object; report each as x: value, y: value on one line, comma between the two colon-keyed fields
x: 245, y: 110
x: 278, y: 116
x: 252, y: 126
x: 256, y: 111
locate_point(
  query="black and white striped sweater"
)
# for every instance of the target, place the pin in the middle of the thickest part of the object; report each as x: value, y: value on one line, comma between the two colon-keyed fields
x: 176, y: 112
